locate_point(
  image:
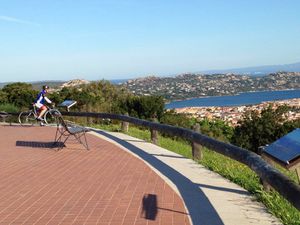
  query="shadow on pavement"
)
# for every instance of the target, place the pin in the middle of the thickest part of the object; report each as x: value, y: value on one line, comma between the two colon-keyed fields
x: 39, y: 144
x: 150, y: 207
x: 224, y: 189
x: 198, y: 205
x: 149, y: 210
x: 169, y: 156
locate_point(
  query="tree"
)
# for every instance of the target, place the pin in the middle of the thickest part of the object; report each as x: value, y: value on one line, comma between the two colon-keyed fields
x: 258, y: 129
x: 143, y: 107
x: 20, y: 94
x: 3, y: 97
x: 177, y: 119
x: 217, y: 129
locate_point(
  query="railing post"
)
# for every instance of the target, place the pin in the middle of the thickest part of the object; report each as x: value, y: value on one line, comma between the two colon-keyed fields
x: 298, y: 174
x: 154, y: 133
x: 196, y: 148
x: 266, y: 185
x: 125, y: 125
x: 3, y: 115
x: 89, y: 119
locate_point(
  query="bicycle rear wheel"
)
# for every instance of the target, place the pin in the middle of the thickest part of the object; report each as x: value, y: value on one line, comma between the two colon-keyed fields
x: 27, y: 118
x: 50, y: 116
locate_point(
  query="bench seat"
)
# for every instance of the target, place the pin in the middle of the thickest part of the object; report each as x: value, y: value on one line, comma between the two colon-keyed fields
x: 66, y: 129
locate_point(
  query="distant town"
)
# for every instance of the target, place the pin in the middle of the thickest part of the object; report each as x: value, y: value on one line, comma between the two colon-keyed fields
x: 234, y: 113
x: 187, y: 86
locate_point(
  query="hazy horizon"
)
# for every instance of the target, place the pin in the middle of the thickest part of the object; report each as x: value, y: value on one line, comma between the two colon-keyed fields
x: 145, y: 75
x: 94, y: 40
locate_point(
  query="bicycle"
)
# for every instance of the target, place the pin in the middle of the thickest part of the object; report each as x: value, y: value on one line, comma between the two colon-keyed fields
x: 30, y: 117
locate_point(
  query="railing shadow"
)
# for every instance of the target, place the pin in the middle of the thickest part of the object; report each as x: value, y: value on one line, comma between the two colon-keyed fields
x: 224, y: 189
x: 169, y: 156
x: 136, y: 140
x: 40, y: 144
x: 198, y: 205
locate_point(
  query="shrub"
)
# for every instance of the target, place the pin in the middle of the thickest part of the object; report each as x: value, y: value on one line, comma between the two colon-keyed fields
x: 8, y: 108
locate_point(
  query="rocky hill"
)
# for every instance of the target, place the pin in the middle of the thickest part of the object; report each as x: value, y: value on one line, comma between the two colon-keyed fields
x: 74, y: 83
x: 54, y: 85
x: 196, y: 85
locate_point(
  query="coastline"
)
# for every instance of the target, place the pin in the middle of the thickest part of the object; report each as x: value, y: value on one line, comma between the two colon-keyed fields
x: 239, y: 93
x: 188, y: 100
x: 232, y: 114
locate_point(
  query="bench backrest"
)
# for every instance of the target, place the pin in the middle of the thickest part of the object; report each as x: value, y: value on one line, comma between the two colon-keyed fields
x: 69, y: 127
x: 61, y: 124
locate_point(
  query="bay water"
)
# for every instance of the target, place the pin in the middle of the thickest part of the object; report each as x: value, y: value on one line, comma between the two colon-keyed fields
x: 247, y: 98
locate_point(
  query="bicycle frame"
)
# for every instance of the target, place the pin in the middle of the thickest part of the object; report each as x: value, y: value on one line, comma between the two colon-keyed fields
x: 35, y: 110
x: 32, y: 115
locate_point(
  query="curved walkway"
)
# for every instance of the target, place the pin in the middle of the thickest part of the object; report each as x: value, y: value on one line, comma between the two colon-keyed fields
x: 105, y: 185
x: 209, y: 198
x: 121, y: 180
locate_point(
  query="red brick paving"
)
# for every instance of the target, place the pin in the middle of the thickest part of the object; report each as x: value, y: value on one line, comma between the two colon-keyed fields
x: 104, y: 185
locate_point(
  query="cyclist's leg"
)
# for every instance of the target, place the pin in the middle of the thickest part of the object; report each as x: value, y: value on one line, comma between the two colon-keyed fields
x: 42, y: 111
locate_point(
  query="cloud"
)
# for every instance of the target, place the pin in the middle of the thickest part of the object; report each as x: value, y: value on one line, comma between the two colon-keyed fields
x: 16, y: 20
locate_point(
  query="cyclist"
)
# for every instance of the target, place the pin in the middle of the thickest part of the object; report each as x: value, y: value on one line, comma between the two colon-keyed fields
x: 40, y: 101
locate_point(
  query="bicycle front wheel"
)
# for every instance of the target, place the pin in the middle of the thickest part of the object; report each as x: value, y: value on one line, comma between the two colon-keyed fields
x: 50, y: 116
x: 27, y: 118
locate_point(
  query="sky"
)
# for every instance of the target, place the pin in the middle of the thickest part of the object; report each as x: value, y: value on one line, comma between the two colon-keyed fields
x: 120, y: 39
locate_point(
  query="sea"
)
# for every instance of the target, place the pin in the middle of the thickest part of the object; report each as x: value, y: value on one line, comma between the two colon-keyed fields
x: 247, y: 98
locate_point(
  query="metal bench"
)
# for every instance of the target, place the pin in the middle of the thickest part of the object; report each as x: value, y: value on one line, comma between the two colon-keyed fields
x: 66, y: 129
x: 4, y: 115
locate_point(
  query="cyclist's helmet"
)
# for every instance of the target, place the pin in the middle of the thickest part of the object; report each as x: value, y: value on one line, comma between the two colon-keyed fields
x: 45, y: 87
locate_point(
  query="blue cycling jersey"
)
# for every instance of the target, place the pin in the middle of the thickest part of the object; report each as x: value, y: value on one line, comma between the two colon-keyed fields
x: 41, y: 97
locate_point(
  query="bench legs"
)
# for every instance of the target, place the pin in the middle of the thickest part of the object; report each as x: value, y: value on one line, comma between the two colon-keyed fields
x: 58, y: 139
x: 84, y: 141
x: 78, y: 136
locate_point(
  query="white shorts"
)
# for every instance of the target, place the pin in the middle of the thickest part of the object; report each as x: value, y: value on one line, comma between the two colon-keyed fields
x: 39, y: 105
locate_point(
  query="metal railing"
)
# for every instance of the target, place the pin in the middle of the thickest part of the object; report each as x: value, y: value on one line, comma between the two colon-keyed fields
x: 281, y: 183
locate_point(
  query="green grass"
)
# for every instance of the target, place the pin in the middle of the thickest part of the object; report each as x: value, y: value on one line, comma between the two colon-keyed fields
x: 230, y: 169
x: 8, y: 108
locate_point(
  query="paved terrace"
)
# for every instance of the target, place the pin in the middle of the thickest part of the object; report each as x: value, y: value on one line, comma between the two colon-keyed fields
x: 120, y: 180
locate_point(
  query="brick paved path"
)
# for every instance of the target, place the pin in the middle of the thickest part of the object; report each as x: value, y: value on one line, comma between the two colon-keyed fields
x: 73, y: 186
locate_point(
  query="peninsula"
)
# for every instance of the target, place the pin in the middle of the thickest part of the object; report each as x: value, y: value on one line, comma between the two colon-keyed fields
x: 187, y: 86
